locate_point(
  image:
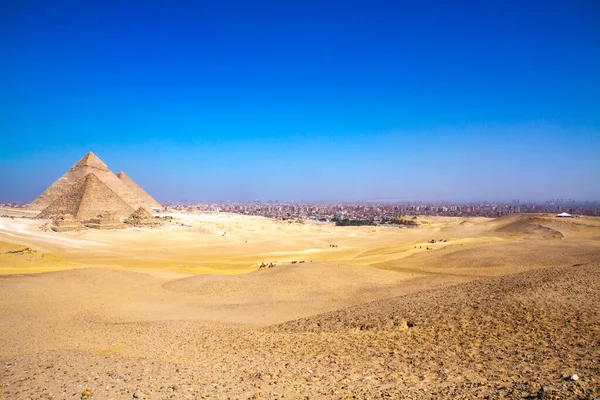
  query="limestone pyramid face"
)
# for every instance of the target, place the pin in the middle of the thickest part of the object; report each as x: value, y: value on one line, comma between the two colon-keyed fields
x: 90, y: 163
x: 138, y: 191
x: 87, y: 199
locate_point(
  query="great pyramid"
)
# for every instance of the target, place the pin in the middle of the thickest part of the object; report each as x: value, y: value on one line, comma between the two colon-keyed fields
x: 87, y: 199
x: 90, y: 163
x: 138, y: 191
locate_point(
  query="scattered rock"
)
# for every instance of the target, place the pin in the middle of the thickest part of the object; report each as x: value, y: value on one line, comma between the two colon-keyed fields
x: 544, y: 392
x: 401, y: 324
x: 574, y: 377
x: 138, y: 395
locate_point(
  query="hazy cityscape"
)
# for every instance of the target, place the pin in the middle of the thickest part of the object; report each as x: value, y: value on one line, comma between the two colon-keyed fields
x: 377, y: 212
x: 385, y: 213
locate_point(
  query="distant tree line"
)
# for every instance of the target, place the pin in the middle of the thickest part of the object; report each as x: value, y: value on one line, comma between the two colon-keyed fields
x: 352, y: 222
x: 399, y: 220
x: 405, y: 221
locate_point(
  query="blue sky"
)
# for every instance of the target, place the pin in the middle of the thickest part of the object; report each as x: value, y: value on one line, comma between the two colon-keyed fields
x: 312, y: 100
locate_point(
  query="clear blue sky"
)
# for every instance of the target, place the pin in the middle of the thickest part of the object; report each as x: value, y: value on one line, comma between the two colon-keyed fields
x: 313, y: 100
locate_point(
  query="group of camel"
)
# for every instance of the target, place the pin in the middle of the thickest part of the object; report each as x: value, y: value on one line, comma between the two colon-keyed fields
x: 271, y: 265
x: 433, y: 241
x: 441, y: 241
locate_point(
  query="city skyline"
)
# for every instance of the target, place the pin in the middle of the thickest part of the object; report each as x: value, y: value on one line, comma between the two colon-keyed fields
x: 336, y: 101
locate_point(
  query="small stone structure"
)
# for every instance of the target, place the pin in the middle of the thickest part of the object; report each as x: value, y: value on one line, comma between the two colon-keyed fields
x: 142, y: 218
x: 66, y: 223
x: 105, y: 221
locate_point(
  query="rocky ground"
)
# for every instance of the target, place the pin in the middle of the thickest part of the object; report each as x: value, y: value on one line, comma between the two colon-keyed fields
x: 529, y: 335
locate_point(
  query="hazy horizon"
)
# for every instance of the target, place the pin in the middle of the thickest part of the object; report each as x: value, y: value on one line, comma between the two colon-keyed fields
x: 336, y: 101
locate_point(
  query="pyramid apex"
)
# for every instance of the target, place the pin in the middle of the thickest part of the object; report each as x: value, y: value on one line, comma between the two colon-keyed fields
x: 90, y: 160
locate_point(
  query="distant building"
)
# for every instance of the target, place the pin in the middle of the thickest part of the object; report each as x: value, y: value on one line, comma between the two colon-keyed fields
x: 564, y: 215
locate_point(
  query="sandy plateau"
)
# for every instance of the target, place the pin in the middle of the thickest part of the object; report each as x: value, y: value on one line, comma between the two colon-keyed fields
x: 495, y: 308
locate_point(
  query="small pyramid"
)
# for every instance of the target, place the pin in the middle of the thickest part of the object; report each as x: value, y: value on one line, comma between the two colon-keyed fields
x: 88, y: 199
x: 90, y: 163
x: 66, y: 223
x: 142, y: 218
x: 141, y: 214
x: 148, y: 200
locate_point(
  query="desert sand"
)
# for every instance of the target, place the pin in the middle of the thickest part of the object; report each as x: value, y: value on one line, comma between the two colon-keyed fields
x: 495, y: 308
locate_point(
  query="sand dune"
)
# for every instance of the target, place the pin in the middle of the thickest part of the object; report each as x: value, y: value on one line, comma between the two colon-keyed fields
x: 568, y: 227
x: 524, y: 227
x: 296, y: 278
x: 551, y: 291
x: 294, y: 290
x: 494, y: 308
x: 72, y: 284
x: 495, y: 258
x: 539, y: 325
x: 24, y: 259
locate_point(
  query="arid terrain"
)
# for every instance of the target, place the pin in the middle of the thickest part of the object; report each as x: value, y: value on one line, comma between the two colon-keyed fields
x: 494, y: 308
